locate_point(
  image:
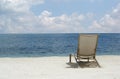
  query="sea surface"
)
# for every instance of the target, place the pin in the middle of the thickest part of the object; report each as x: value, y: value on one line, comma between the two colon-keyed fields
x: 40, y: 45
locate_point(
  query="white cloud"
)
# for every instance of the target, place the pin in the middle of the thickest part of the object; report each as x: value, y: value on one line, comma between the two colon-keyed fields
x: 63, y: 23
x: 108, y: 23
x: 16, y: 17
x: 18, y: 5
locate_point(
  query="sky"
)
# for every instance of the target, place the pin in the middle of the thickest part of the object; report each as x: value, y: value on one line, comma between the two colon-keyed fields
x: 59, y: 16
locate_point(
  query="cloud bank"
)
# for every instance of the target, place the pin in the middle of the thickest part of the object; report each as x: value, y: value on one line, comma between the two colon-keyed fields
x: 16, y: 17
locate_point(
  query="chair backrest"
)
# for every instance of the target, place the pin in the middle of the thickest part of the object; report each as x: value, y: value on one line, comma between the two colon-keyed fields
x: 87, y: 44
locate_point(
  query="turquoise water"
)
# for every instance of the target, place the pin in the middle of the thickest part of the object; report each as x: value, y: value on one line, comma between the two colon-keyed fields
x: 37, y: 45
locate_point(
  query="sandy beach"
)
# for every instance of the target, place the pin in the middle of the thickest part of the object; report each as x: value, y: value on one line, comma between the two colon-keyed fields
x: 57, y: 68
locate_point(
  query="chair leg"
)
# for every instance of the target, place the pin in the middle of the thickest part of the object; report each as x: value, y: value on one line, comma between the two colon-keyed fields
x: 75, y: 57
x: 70, y: 58
x: 97, y: 63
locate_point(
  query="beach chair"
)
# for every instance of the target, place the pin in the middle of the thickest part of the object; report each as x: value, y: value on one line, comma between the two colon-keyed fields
x: 86, y: 52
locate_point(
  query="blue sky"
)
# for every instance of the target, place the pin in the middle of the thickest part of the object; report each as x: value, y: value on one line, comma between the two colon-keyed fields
x: 59, y: 16
x: 100, y: 7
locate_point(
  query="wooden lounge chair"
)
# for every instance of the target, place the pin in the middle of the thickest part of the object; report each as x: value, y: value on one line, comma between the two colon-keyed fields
x: 86, y: 52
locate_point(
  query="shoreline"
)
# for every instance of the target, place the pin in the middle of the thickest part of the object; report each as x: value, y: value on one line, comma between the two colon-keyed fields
x: 47, y: 56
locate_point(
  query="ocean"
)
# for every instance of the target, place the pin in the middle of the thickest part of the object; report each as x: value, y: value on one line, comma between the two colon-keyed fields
x: 40, y: 45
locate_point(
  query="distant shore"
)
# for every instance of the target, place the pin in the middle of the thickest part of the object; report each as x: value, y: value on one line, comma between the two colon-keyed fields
x: 56, y: 67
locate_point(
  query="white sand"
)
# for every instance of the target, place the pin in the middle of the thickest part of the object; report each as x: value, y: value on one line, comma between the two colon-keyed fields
x: 56, y: 68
